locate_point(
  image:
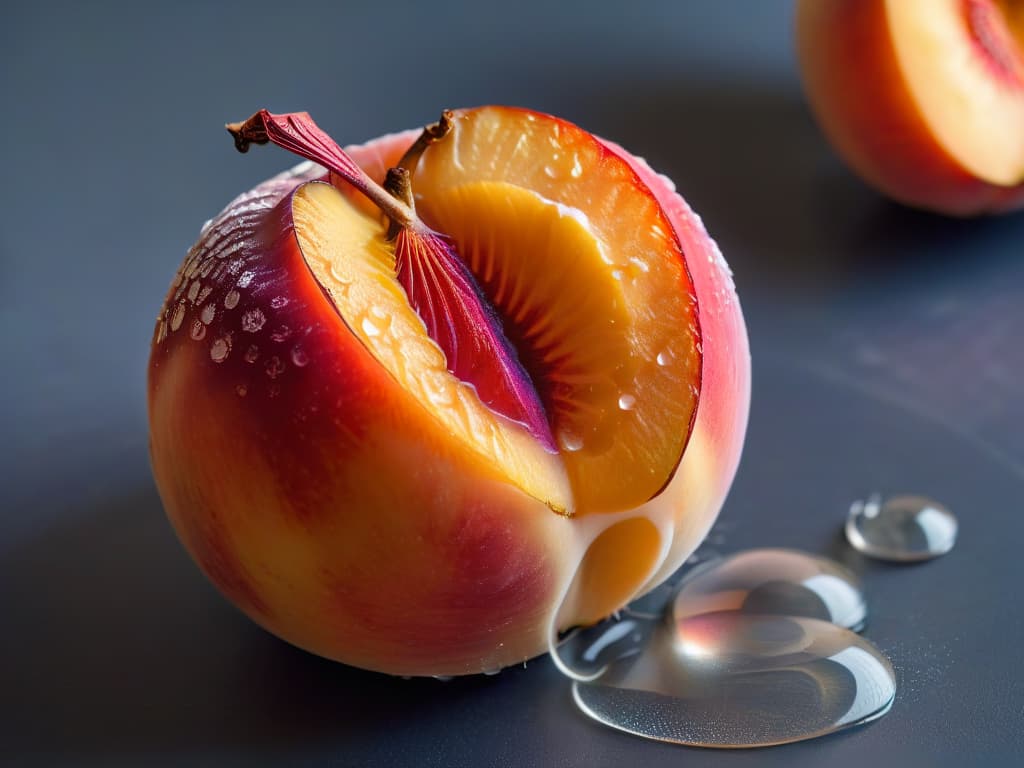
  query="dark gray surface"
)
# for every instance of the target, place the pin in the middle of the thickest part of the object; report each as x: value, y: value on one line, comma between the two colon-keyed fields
x: 887, y: 356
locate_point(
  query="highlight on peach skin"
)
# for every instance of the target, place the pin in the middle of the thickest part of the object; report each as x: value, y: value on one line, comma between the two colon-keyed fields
x: 924, y: 99
x: 416, y: 404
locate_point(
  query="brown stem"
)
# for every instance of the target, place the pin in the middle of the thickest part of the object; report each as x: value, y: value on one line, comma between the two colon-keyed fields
x: 430, y: 135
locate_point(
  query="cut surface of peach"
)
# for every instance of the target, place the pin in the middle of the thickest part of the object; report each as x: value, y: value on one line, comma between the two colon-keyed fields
x: 963, y: 61
x: 585, y: 272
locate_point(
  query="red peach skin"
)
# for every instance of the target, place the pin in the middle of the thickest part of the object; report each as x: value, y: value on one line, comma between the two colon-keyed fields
x: 457, y: 571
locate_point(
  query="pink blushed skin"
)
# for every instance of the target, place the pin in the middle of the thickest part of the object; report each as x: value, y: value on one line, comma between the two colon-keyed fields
x: 333, y: 510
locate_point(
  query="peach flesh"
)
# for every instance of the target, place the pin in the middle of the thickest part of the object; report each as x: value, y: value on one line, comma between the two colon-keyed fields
x: 917, y: 97
x: 271, y: 412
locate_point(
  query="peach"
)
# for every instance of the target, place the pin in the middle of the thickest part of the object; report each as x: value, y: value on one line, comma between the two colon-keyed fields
x: 923, y: 98
x: 339, y: 475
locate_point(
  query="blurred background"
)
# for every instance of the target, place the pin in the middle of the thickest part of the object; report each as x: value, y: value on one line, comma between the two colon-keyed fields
x: 886, y: 346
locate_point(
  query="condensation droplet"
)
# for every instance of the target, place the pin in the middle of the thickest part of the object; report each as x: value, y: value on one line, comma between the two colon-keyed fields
x: 274, y: 367
x: 231, y: 299
x: 732, y: 679
x: 903, y: 528
x: 299, y: 357
x: 627, y: 402
x: 252, y: 354
x: 281, y: 334
x: 220, y: 349
x: 178, y: 316
x: 193, y: 290
x: 774, y: 581
x: 207, y: 314
x: 245, y: 278
x: 663, y: 359
x: 570, y: 441
x: 369, y: 328
x: 253, y: 320
x: 279, y: 301
x: 197, y: 331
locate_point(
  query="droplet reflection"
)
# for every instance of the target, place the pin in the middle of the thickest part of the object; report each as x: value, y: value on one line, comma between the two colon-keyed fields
x: 731, y: 679
x: 903, y: 528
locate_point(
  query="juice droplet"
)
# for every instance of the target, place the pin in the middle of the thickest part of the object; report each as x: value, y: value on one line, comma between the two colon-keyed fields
x: 231, y: 299
x: 903, y: 528
x: 241, y: 390
x: 627, y: 402
x: 663, y: 358
x: 570, y: 441
x: 370, y: 328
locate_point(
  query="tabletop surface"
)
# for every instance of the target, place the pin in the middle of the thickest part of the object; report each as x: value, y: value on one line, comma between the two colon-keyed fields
x: 886, y: 357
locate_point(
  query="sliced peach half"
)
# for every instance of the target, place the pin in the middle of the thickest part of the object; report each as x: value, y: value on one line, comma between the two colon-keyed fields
x: 601, y: 316
x: 924, y: 98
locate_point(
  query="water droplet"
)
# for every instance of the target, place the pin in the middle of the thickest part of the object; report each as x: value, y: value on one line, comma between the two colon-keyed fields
x: 577, y: 167
x: 617, y: 274
x: 279, y: 301
x: 231, y: 299
x: 732, y: 679
x: 570, y: 441
x: 663, y: 358
x: 773, y: 581
x: 550, y: 172
x: 903, y: 528
x: 207, y: 314
x: 274, y: 367
x: 220, y: 349
x: 370, y: 328
x: 627, y: 402
x: 245, y: 278
x: 252, y: 353
x: 281, y: 334
x: 197, y: 331
x: 193, y: 290
x: 241, y: 390
x: 253, y: 320
x: 299, y: 357
x: 178, y: 316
